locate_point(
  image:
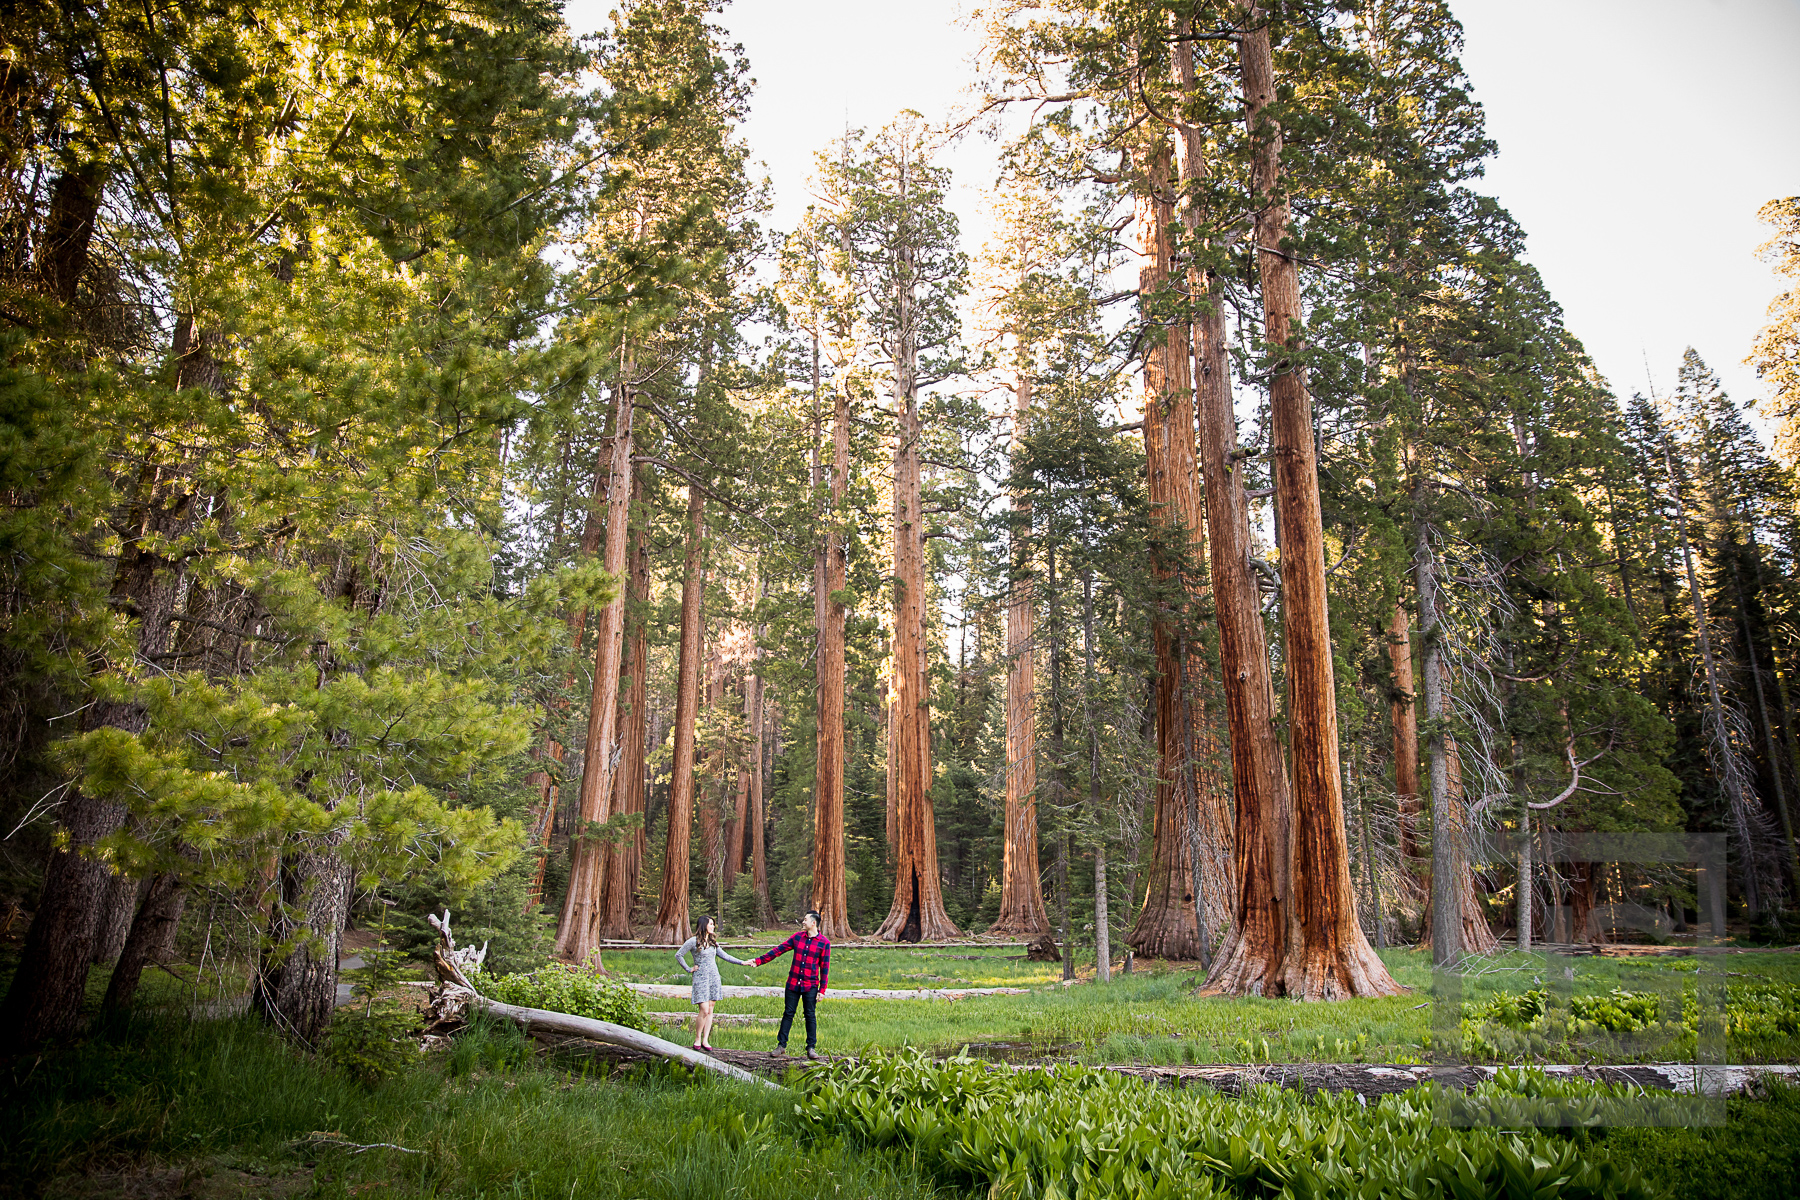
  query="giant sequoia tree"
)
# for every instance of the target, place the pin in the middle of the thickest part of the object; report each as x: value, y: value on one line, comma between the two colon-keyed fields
x: 902, y: 241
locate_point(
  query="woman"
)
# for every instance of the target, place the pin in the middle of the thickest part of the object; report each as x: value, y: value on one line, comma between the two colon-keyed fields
x: 704, y: 946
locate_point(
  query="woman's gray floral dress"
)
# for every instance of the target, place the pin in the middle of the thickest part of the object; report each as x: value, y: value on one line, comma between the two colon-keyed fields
x: 704, y: 969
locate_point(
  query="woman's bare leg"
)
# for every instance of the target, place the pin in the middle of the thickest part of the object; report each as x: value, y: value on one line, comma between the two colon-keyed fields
x: 705, y: 1024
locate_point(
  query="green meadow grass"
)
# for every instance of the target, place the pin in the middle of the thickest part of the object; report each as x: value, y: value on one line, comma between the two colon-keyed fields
x: 228, y: 1108
x: 166, y: 1107
x: 1155, y: 1015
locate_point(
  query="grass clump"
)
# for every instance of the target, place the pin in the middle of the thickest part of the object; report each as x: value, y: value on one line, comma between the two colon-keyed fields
x: 487, y: 1118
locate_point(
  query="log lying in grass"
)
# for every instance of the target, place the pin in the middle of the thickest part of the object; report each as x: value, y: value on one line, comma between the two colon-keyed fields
x: 1372, y: 1080
x: 455, y: 995
x: 719, y: 1018
x: 448, y: 1004
x: 616, y: 1035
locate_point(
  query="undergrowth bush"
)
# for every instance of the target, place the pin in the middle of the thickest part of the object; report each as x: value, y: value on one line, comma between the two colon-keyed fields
x: 1761, y: 1019
x: 1038, y: 1134
x: 372, y: 1046
x: 578, y: 993
x: 371, y: 1041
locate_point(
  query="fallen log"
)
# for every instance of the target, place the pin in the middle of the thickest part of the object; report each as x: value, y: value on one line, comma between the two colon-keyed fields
x: 617, y: 1035
x: 456, y: 994
x: 1374, y: 1080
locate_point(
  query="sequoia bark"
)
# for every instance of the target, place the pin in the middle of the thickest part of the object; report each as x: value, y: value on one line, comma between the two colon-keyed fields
x: 672, y: 915
x: 917, y: 913
x: 624, y: 859
x: 830, y: 895
x: 1327, y: 957
x: 1168, y: 924
x: 1405, y: 719
x: 1022, y: 912
x: 578, y: 935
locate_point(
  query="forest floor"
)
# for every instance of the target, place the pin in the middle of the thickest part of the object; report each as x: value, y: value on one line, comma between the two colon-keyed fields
x: 1153, y: 1016
x: 168, y: 1106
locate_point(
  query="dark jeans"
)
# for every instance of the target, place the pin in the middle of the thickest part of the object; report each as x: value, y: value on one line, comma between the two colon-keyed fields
x: 794, y: 996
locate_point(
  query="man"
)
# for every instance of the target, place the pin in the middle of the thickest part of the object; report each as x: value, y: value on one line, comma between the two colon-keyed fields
x: 806, y: 980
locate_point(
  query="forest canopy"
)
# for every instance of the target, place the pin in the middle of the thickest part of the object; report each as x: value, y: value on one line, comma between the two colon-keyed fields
x: 431, y: 480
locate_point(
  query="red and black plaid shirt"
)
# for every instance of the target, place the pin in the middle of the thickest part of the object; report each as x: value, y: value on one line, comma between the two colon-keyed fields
x: 812, y: 960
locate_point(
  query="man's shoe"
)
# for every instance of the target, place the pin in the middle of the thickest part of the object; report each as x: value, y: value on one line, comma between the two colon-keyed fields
x: 780, y: 1050
x: 812, y: 1054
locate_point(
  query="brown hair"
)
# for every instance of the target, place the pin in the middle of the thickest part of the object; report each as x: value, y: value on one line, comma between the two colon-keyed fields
x: 706, y: 934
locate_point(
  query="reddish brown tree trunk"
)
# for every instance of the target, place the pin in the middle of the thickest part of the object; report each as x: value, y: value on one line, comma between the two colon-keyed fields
x: 637, y: 739
x: 918, y: 912
x: 1326, y: 956
x: 735, y: 829
x: 1168, y: 925
x: 830, y: 895
x: 1406, y: 731
x: 890, y: 823
x: 672, y: 915
x: 543, y: 813
x: 709, y: 798
x: 1262, y: 808
x: 1214, y: 834
x: 1582, y: 876
x: 619, y: 882
x: 1022, y: 912
x: 578, y: 936
x: 759, y: 861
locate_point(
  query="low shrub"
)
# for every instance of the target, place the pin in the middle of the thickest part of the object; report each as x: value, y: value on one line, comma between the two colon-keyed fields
x: 1044, y: 1133
x: 578, y: 993
x: 372, y: 1040
x: 1760, y: 1020
x: 374, y: 1045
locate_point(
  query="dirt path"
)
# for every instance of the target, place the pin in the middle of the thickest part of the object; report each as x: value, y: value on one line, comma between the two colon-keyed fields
x: 681, y: 991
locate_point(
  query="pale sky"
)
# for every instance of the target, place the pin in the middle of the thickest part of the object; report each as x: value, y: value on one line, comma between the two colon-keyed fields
x: 1637, y: 140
